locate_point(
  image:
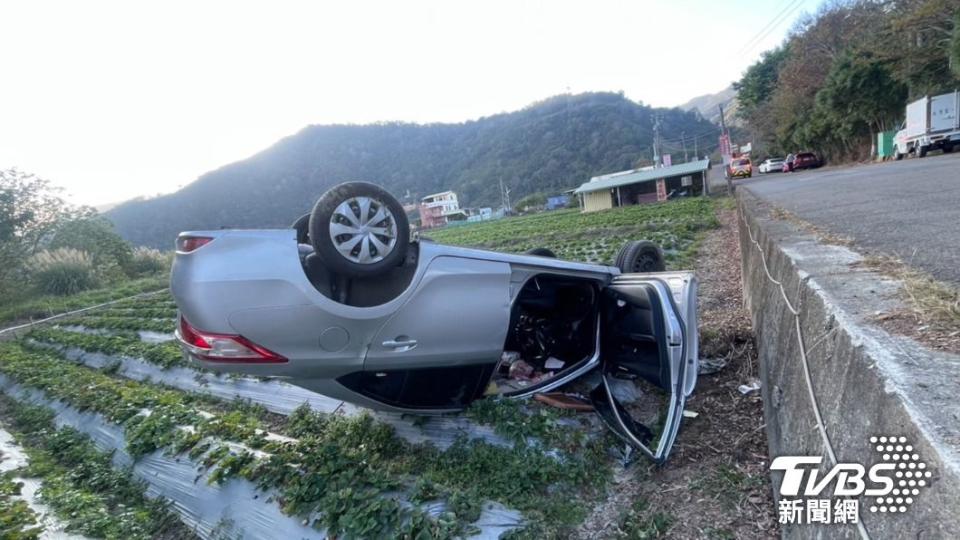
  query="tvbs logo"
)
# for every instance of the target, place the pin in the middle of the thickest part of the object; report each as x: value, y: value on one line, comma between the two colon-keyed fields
x: 895, y: 481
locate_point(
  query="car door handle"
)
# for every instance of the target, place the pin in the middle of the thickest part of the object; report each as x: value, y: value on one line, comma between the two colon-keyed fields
x: 400, y: 344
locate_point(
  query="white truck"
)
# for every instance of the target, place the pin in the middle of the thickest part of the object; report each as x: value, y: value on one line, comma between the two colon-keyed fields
x: 931, y: 123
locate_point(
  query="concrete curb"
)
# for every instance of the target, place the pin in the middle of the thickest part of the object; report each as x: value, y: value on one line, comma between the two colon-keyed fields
x: 867, y: 383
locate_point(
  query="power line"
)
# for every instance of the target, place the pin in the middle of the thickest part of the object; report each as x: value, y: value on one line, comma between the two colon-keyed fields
x: 789, y: 8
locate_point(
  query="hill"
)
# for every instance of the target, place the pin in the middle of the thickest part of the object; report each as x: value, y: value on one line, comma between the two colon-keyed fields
x: 549, y: 146
x: 707, y: 106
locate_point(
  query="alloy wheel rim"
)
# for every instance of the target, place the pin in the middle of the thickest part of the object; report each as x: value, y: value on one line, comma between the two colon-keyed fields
x: 363, y: 230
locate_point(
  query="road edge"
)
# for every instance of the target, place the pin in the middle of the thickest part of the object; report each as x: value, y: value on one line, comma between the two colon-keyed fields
x: 865, y: 382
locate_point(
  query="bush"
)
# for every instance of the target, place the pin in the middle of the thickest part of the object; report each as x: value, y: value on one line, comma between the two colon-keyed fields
x: 62, y: 271
x: 95, y: 236
x: 148, y: 261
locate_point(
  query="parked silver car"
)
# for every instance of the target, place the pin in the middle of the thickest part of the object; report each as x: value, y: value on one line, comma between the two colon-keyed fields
x: 347, y: 305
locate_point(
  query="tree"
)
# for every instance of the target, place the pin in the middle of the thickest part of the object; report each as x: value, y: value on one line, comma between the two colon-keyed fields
x: 30, y: 209
x: 848, y: 71
x: 758, y: 83
x: 859, y: 97
x: 534, y: 200
x: 93, y: 234
x: 955, y: 47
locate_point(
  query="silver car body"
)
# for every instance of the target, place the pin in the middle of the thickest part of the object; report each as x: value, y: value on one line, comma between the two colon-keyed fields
x: 455, y: 311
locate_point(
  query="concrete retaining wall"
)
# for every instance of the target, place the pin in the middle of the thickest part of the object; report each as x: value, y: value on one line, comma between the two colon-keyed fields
x: 867, y: 382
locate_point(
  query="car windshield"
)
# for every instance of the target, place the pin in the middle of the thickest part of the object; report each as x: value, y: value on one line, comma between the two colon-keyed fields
x: 741, y: 162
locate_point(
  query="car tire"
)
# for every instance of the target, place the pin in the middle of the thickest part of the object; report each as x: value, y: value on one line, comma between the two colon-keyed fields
x: 947, y: 148
x: 922, y: 151
x: 542, y: 252
x: 897, y: 156
x: 349, y: 242
x: 640, y: 256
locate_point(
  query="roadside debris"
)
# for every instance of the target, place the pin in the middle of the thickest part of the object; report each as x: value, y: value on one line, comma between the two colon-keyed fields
x: 625, y: 391
x: 751, y: 387
x: 710, y: 366
x: 573, y: 402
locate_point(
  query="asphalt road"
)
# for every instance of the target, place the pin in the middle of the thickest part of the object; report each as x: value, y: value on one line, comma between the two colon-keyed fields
x: 909, y: 208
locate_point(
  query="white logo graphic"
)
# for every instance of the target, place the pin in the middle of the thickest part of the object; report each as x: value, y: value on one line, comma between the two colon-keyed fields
x: 895, y: 481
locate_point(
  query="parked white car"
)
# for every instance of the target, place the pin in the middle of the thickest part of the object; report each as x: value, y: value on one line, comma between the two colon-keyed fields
x: 771, y: 165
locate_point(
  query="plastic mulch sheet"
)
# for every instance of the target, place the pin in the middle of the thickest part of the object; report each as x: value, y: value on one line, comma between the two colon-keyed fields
x: 233, y: 509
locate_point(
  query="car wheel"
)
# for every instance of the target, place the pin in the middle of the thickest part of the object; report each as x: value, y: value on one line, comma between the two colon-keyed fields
x: 542, y: 252
x: 947, y: 147
x: 922, y: 152
x: 359, y: 229
x: 897, y: 156
x: 640, y: 256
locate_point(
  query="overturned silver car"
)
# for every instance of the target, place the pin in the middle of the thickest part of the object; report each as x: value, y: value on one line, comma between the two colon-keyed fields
x: 346, y: 304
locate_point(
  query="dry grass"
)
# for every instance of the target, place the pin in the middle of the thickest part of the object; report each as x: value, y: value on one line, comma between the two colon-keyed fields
x: 716, y: 483
x: 822, y: 234
x: 932, y: 313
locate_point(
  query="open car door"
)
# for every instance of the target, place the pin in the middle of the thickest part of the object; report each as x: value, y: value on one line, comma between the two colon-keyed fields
x: 649, y: 337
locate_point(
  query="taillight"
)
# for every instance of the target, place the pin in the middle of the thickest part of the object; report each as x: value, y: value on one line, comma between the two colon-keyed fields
x: 186, y: 244
x: 224, y: 347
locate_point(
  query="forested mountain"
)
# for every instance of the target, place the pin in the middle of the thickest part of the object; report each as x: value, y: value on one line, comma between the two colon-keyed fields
x: 708, y: 104
x: 546, y: 147
x: 848, y: 72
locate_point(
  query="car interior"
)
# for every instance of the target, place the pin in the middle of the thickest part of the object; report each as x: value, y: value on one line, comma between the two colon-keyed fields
x: 633, y: 341
x: 552, y: 329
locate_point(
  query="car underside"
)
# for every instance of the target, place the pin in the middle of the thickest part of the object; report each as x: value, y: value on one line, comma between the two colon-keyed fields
x: 440, y: 326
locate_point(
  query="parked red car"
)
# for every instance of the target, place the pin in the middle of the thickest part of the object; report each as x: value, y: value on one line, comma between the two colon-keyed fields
x: 803, y: 160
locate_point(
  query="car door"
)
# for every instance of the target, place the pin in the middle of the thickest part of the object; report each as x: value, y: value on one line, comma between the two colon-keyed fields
x: 649, y: 338
x: 440, y: 348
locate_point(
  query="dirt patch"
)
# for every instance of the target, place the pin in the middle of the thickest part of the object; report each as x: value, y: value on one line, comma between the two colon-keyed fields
x: 715, y: 484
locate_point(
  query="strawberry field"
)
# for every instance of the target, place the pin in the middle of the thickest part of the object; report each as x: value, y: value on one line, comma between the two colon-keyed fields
x: 348, y: 473
x: 593, y: 236
x: 127, y: 440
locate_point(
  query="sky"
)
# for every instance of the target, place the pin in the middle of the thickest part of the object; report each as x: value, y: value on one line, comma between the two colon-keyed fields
x: 113, y: 100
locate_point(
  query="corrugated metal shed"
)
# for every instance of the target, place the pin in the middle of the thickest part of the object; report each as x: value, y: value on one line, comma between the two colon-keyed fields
x: 618, y: 180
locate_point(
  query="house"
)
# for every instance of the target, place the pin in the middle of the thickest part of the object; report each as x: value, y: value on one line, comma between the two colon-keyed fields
x: 440, y: 208
x: 640, y: 186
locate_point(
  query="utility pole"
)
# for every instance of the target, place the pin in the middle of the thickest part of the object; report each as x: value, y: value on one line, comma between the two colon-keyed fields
x: 726, y: 136
x: 504, y: 196
x: 696, y: 147
x: 683, y: 141
x: 656, y: 141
